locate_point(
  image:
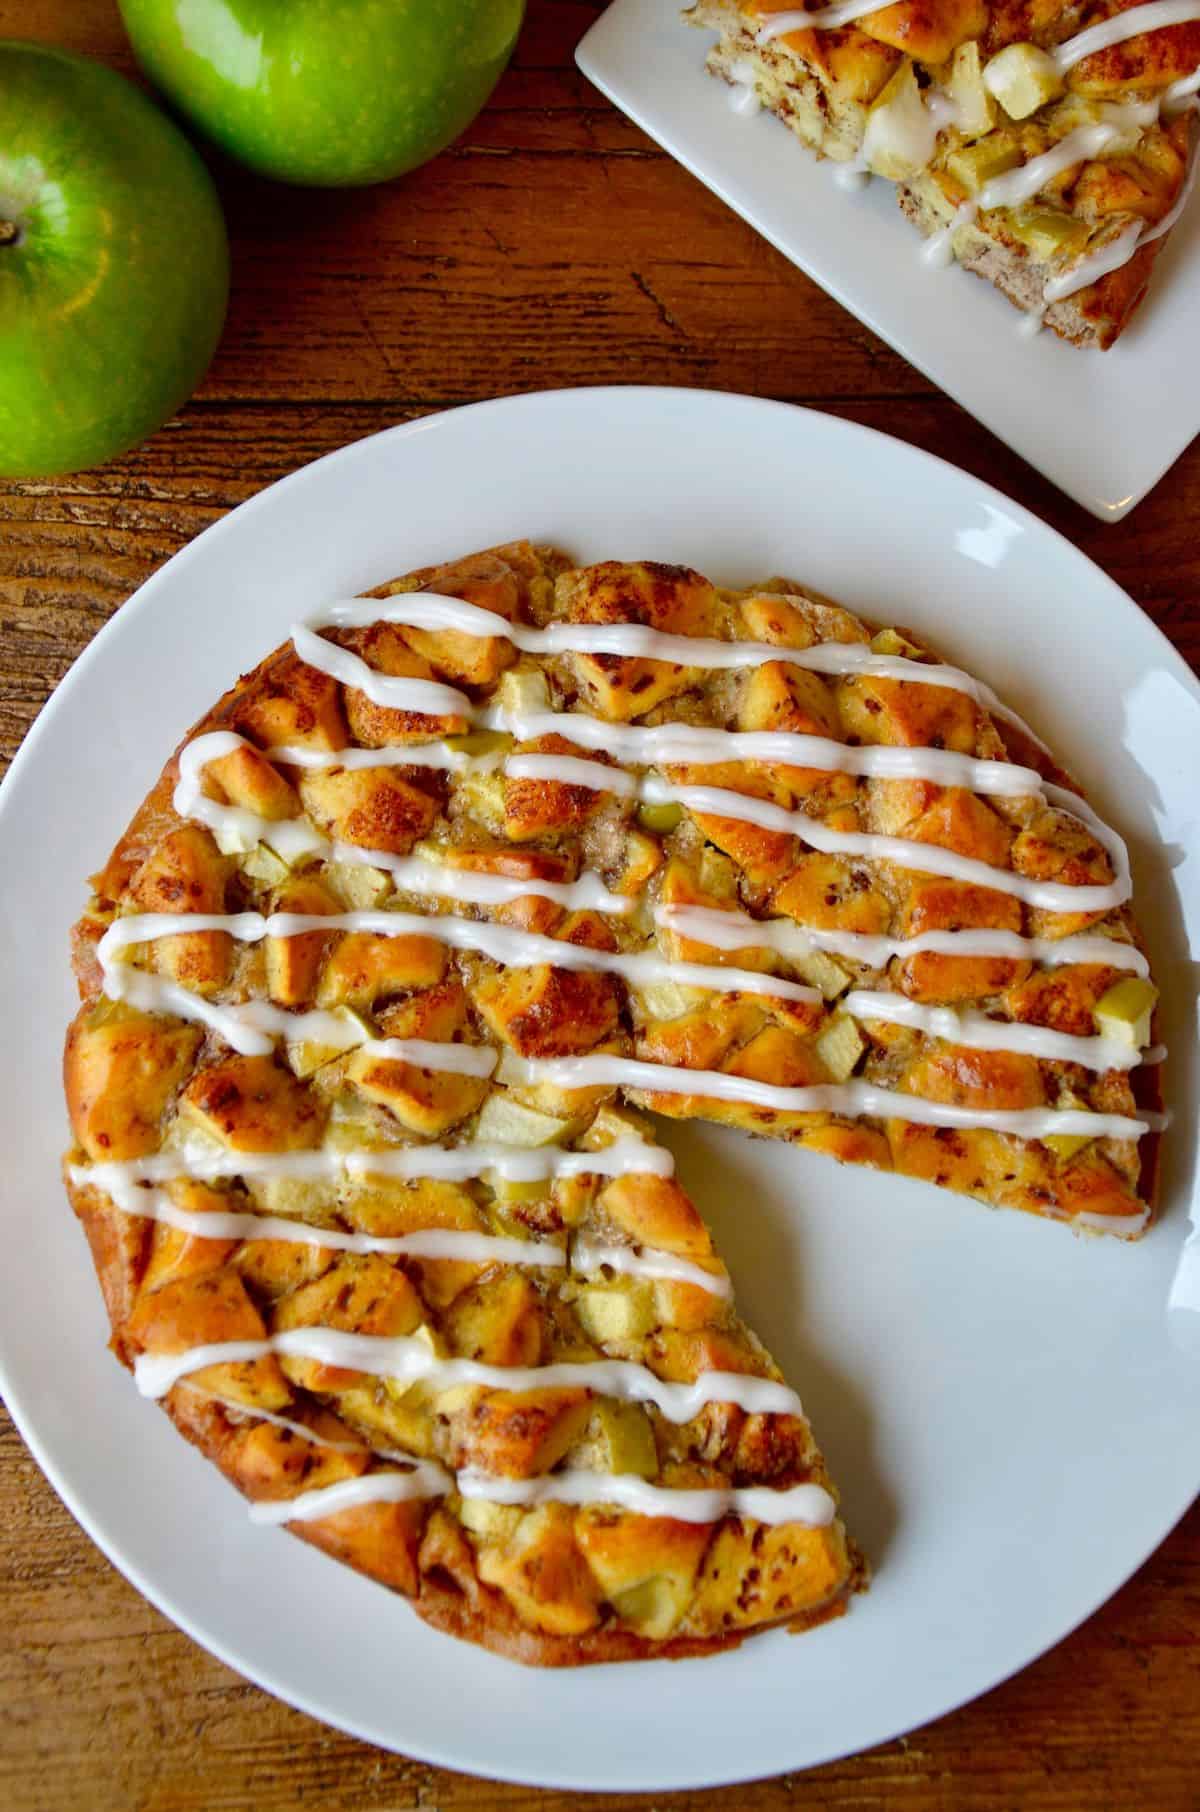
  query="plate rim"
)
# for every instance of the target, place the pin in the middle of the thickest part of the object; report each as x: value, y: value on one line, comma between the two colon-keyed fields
x: 143, y: 598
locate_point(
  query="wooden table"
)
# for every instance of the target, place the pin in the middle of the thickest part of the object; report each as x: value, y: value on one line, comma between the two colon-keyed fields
x: 555, y: 245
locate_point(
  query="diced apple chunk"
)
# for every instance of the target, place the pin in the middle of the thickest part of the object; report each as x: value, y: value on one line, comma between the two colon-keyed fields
x: 523, y: 689
x: 645, y: 1566
x: 975, y: 110
x: 307, y: 1055
x: 890, y: 641
x: 821, y: 972
x: 660, y: 819
x: 1125, y: 1012
x: 505, y: 1122
x: 1049, y: 234
x: 667, y: 1000
x: 619, y: 1438
x: 901, y: 132
x: 839, y: 1046
x: 1065, y: 1146
x: 491, y: 1522
x: 1023, y: 78
x: 974, y: 166
x: 614, y: 1314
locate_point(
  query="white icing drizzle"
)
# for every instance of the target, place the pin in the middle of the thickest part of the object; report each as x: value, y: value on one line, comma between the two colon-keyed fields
x: 431, y: 1243
x: 591, y: 1255
x: 569, y: 770
x: 249, y: 1027
x: 659, y: 745
x: 1180, y: 92
x: 265, y: 1415
x: 726, y: 803
x: 1079, y: 146
x: 1090, y: 270
x: 426, y: 1054
x: 1124, y: 1226
x: 977, y: 1032
x: 290, y: 838
x: 427, y: 610
x: 1133, y: 23
x: 743, y: 97
x: 408, y: 1360
x: 1120, y: 250
x: 938, y: 249
x: 684, y: 745
x: 634, y: 641
x: 426, y: 1479
x: 469, y: 887
x: 806, y: 1504
x: 823, y: 18
x: 156, y: 994
x: 237, y: 827
x: 923, y: 858
x: 726, y: 930
x: 995, y: 777
x: 852, y: 1100
x: 392, y: 755
x: 447, y: 1163
x: 851, y: 175
x: 1085, y: 142
x: 252, y: 1027
x: 1117, y: 252
x: 394, y: 692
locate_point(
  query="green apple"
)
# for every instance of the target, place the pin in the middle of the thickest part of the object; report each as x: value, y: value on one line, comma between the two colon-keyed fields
x: 326, y: 92
x: 114, y: 266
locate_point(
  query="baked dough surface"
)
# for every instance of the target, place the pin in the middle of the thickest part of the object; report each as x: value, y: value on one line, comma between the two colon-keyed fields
x: 825, y: 83
x: 554, y: 1583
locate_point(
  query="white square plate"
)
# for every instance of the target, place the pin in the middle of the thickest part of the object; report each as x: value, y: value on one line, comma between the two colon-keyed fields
x: 1102, y: 426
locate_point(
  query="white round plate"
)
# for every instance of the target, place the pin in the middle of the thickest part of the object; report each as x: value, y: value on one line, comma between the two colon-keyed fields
x: 1009, y: 1411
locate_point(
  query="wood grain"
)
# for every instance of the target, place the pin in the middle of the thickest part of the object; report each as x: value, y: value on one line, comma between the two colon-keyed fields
x: 555, y: 245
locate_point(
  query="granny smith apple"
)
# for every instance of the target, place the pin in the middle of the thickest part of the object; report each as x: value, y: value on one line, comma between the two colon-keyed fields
x: 114, y: 265
x: 326, y: 92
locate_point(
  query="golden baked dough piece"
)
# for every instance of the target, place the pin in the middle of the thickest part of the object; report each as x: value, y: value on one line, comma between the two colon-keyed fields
x: 953, y: 100
x: 367, y: 988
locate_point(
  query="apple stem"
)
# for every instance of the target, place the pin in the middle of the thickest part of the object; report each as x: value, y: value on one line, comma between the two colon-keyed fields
x: 10, y: 232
